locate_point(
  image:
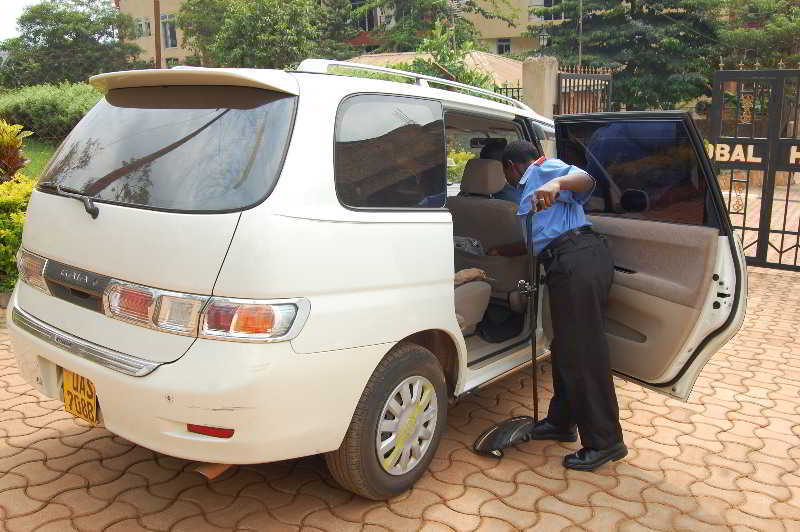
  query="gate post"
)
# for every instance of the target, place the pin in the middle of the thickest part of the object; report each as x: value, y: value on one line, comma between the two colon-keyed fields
x: 539, y: 75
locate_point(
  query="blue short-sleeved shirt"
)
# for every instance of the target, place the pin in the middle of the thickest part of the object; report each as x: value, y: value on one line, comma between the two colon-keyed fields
x: 565, y: 214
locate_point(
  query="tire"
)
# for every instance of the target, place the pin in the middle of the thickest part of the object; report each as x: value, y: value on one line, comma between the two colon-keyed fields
x: 356, y: 465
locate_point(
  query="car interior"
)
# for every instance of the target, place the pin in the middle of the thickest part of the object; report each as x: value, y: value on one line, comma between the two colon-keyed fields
x: 497, y: 319
x: 651, y: 203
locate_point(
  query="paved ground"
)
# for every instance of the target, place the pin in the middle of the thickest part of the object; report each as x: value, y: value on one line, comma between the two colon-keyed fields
x: 727, y: 459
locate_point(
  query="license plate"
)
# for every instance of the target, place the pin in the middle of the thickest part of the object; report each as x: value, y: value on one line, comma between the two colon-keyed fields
x: 79, y: 397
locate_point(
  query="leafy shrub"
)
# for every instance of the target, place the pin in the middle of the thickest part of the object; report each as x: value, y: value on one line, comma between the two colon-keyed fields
x: 50, y: 111
x: 14, y: 197
x: 11, y: 157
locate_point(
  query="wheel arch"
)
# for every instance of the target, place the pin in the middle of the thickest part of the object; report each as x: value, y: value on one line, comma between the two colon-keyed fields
x: 444, y: 348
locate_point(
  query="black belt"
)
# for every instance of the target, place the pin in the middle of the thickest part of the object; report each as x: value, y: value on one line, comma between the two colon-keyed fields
x: 548, y: 253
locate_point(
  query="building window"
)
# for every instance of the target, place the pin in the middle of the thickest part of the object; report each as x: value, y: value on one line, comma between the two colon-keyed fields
x: 390, y: 153
x: 369, y: 20
x: 554, y: 16
x: 503, y: 46
x: 143, y: 29
x: 168, y: 31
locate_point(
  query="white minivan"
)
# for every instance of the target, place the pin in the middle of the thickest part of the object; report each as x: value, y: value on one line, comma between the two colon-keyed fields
x: 242, y: 266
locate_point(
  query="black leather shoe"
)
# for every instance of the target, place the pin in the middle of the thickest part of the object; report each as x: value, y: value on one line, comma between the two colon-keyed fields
x: 590, y: 459
x: 544, y: 430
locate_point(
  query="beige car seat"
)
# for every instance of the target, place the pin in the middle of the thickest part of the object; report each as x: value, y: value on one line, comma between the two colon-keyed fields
x: 471, y: 301
x: 493, y: 222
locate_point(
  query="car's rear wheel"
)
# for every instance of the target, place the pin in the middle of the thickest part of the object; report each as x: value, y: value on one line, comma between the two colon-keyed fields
x: 396, y: 426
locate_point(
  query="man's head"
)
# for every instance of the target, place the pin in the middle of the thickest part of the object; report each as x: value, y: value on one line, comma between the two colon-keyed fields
x: 517, y: 157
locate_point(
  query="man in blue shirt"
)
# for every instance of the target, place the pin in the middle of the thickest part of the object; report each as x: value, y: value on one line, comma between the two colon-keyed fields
x: 579, y: 271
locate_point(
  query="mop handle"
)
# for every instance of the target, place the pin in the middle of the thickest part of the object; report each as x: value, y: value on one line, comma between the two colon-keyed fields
x: 534, y: 306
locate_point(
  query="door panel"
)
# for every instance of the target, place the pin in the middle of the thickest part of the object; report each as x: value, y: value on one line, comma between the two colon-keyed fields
x: 669, y: 261
x: 663, y: 276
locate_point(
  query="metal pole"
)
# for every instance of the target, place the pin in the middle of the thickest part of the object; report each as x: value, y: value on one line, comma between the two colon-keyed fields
x: 533, y: 308
x: 580, y: 33
x: 157, y: 32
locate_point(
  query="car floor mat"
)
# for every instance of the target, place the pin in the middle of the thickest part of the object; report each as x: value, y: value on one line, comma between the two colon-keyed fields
x: 499, y: 324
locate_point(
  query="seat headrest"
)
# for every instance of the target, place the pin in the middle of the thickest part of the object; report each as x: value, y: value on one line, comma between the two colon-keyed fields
x: 483, y: 176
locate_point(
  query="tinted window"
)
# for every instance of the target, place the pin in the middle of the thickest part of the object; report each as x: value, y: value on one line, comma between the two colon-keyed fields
x: 644, y: 169
x: 390, y: 152
x: 178, y: 148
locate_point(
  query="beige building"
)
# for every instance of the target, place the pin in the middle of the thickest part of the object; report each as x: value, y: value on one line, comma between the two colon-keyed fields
x: 500, y: 38
x: 496, y: 35
x: 143, y: 16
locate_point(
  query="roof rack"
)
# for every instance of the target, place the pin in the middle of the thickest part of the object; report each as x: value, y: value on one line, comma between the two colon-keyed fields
x: 322, y: 66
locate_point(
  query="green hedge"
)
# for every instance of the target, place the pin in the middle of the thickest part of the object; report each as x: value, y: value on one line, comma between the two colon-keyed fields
x: 50, y: 111
x: 14, y: 196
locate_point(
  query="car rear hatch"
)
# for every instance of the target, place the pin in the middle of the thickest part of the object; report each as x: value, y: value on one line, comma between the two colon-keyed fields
x: 166, y: 161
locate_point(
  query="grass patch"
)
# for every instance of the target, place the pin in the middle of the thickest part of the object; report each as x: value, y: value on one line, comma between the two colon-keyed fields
x: 39, y: 152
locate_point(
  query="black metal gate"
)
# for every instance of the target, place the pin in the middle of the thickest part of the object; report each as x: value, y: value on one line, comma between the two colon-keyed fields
x: 585, y: 90
x: 512, y: 92
x: 755, y: 133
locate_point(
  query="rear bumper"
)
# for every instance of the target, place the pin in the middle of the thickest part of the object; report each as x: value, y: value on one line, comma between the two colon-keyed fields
x: 280, y: 404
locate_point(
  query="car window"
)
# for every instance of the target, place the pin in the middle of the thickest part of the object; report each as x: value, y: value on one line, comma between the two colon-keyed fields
x: 646, y: 169
x: 390, y: 152
x: 178, y: 148
x: 471, y: 136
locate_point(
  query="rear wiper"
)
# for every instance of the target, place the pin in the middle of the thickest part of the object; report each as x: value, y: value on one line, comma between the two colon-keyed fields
x: 67, y: 192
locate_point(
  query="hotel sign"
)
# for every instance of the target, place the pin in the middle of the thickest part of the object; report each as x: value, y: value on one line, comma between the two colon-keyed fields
x: 787, y: 155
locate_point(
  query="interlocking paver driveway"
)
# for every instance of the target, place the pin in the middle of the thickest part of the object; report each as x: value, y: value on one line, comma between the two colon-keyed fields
x: 727, y: 459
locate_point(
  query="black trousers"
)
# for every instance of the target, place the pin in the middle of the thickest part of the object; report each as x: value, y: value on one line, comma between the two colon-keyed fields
x: 579, y: 276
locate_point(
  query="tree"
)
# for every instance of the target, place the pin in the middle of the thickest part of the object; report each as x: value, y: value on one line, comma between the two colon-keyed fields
x: 764, y: 30
x: 446, y: 60
x: 266, y: 33
x: 335, y: 20
x: 663, y: 50
x: 200, y: 21
x: 408, y: 22
x: 68, y: 40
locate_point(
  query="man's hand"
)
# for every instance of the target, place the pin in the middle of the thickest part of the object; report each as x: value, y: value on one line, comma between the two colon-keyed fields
x: 546, y: 195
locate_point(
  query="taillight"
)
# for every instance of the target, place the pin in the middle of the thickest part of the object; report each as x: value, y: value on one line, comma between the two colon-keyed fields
x: 172, y: 312
x: 130, y: 302
x: 253, y: 321
x: 179, y: 313
x: 242, y: 320
x: 31, y: 270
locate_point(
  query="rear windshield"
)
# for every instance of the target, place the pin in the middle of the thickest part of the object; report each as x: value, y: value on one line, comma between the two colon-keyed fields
x: 178, y: 148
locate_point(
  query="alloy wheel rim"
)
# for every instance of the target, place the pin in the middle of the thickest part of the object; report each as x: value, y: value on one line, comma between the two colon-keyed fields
x: 406, y: 425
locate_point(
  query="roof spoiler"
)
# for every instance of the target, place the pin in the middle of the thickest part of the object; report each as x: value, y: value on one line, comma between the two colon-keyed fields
x: 276, y: 80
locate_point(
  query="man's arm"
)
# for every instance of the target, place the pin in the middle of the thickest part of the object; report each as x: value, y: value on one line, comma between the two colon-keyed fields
x: 578, y: 182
